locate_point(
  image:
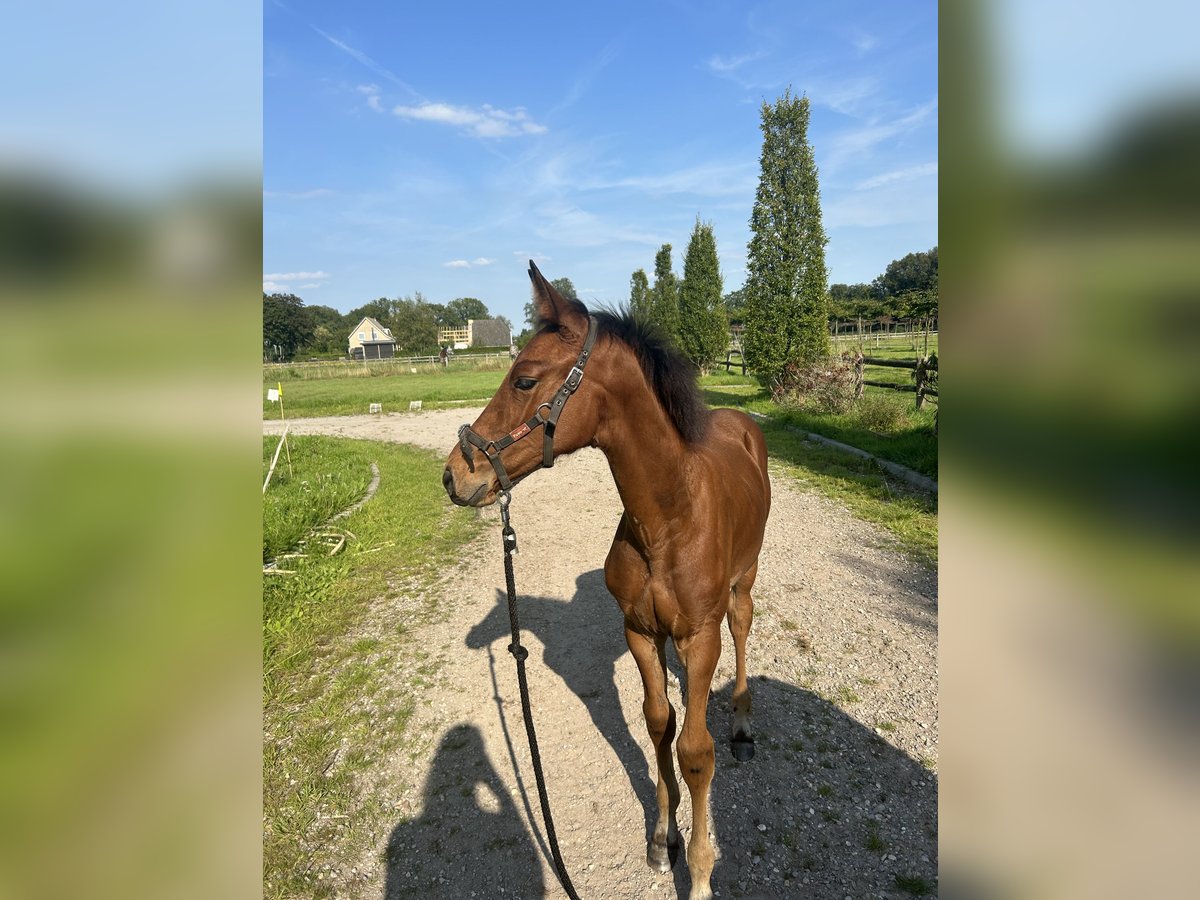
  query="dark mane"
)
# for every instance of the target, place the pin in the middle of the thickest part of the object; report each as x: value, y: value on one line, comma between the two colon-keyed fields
x: 669, y: 372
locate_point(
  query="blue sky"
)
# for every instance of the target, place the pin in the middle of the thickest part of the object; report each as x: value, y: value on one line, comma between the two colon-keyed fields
x: 412, y: 148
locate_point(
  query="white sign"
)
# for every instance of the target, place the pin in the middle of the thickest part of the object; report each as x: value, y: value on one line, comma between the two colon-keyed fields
x: 272, y: 394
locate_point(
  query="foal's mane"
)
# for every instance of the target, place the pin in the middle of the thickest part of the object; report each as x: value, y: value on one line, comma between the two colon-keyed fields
x: 671, y: 374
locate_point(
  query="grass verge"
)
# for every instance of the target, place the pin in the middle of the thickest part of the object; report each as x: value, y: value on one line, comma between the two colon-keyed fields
x: 331, y: 704
x: 908, y: 515
x: 313, y: 480
x: 884, y: 423
x: 347, y: 396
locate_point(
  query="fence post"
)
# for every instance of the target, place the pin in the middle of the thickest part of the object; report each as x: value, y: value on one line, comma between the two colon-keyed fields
x: 858, y: 375
x: 921, y: 364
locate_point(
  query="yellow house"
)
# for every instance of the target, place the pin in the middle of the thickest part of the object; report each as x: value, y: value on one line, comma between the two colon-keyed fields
x: 370, y: 340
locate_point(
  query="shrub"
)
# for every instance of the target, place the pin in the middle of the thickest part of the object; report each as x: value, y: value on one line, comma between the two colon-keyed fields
x: 880, y: 413
x: 823, y: 386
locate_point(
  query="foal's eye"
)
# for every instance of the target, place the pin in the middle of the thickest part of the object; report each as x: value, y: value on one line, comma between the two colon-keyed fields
x: 525, y: 384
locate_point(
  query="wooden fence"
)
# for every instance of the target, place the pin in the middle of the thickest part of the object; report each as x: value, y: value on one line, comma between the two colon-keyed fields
x: 924, y: 384
x: 729, y: 363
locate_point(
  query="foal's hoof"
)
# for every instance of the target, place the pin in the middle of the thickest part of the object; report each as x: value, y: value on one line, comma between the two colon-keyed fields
x: 743, y: 748
x: 661, y: 857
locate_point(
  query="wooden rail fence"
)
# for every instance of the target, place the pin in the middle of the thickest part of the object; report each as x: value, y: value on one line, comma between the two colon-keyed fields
x: 924, y: 384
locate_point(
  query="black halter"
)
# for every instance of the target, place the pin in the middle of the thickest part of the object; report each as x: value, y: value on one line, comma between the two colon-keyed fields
x: 491, y: 449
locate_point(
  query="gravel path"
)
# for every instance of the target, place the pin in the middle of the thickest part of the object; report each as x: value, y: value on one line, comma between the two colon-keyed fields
x: 840, y: 801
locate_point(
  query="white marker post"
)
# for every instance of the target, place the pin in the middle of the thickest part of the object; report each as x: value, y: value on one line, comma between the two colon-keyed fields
x: 276, y: 394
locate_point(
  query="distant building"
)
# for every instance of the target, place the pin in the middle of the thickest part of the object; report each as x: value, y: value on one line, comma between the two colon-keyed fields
x: 478, y: 333
x: 370, y: 340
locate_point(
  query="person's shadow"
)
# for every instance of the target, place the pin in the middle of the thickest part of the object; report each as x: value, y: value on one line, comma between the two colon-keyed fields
x: 827, y: 807
x: 469, y: 840
x: 583, y: 639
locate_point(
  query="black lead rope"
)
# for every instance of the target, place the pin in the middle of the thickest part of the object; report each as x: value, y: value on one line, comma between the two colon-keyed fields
x: 509, y: 538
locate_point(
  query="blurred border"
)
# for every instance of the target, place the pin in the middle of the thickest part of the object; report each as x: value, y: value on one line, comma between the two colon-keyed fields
x: 1070, y: 612
x: 130, y: 269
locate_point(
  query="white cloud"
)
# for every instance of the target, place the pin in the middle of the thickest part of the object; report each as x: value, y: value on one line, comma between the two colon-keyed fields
x: 861, y: 141
x: 864, y: 43
x: 295, y: 276
x: 706, y: 179
x: 271, y: 287
x: 368, y: 62
x: 308, y: 287
x: 724, y: 66
x: 372, y: 93
x: 909, y: 174
x: 484, y: 122
x: 468, y: 264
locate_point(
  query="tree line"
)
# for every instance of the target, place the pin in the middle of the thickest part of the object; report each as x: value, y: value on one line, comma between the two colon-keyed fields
x: 291, y: 328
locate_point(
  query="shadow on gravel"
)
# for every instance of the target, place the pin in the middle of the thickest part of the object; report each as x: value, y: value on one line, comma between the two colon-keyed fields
x: 583, y: 640
x: 469, y: 841
x: 917, y: 603
x: 827, y: 808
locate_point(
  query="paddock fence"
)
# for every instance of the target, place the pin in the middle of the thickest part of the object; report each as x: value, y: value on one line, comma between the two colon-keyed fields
x: 924, y: 382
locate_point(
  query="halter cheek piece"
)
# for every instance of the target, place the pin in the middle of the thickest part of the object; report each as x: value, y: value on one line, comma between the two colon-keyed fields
x: 491, y: 449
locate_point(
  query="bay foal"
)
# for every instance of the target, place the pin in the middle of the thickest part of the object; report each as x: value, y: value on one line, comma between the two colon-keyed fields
x: 696, y: 495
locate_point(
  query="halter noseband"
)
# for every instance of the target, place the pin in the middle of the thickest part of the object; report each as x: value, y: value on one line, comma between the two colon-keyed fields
x: 491, y: 449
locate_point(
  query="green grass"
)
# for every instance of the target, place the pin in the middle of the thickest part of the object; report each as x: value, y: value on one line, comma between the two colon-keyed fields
x: 909, y: 441
x: 321, y: 480
x: 350, y: 395
x: 908, y: 515
x: 332, y: 707
x: 887, y: 346
x: 914, y: 884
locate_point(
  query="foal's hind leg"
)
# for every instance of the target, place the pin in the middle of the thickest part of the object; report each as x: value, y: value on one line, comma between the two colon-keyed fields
x: 663, y: 847
x: 741, y: 614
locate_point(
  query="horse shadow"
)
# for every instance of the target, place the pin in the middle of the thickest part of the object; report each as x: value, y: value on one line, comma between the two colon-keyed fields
x: 827, y: 807
x: 582, y: 639
x: 469, y: 840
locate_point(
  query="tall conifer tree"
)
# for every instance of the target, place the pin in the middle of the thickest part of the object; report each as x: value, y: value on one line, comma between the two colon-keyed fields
x: 703, y: 329
x: 639, y: 293
x: 786, y: 303
x: 664, y: 296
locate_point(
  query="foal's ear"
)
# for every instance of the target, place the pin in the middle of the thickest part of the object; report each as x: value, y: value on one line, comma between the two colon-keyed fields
x: 555, y: 309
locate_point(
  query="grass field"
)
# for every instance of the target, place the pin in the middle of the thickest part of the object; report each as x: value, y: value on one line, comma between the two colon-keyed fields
x: 346, y: 396
x: 324, y: 674
x: 885, y: 423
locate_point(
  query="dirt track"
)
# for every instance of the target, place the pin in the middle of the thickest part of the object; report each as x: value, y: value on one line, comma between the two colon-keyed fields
x: 840, y: 801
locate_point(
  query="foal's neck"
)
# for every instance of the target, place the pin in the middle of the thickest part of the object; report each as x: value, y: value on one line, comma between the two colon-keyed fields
x: 648, y: 458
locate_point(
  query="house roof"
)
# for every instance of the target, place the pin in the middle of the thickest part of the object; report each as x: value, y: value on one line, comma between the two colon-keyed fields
x: 489, y: 333
x: 369, y: 322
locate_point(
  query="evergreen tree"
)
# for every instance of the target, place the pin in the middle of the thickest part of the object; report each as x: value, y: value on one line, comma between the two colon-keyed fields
x: 639, y: 293
x: 703, y: 329
x: 786, y: 300
x: 664, y: 296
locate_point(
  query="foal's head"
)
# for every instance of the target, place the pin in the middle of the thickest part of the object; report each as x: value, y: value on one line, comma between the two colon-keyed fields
x: 532, y: 382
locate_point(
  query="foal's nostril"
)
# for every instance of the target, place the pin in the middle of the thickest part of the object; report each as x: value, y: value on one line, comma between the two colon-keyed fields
x: 448, y: 481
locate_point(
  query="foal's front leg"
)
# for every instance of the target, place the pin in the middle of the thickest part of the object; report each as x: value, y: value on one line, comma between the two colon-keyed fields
x: 651, y: 659
x: 699, y: 656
